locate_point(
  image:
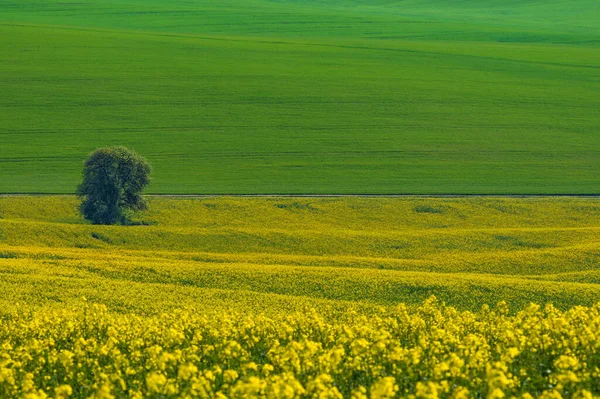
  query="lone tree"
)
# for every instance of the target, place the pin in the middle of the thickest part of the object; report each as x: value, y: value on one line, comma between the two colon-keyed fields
x: 113, y: 180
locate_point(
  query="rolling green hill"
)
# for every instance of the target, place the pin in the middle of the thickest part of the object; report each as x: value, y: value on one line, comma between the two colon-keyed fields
x: 315, y: 96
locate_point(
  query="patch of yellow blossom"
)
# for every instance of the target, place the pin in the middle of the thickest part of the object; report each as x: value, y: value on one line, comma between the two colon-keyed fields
x: 430, y: 351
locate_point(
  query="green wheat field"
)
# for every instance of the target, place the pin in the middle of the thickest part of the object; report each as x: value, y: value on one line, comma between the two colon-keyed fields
x: 320, y: 96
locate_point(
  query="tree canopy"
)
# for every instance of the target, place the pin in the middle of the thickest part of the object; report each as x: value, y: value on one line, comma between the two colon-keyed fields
x: 113, y: 181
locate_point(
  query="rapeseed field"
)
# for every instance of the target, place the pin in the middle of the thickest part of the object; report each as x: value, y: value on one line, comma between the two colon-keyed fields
x: 302, y: 297
x: 430, y: 351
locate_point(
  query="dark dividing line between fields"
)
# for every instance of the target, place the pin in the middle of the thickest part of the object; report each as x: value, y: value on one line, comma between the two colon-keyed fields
x: 590, y: 196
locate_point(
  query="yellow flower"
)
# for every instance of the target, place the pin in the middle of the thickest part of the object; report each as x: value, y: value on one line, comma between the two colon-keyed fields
x: 427, y: 390
x: 461, y: 393
x: 155, y: 382
x: 230, y: 375
x: 63, y: 391
x: 186, y: 371
x: 496, y: 393
x: 359, y: 393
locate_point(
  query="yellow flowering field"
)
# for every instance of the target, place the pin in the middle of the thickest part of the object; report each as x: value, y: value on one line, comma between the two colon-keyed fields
x: 428, y: 351
x: 302, y: 297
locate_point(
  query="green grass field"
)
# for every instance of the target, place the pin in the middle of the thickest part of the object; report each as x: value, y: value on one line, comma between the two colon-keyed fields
x: 329, y: 96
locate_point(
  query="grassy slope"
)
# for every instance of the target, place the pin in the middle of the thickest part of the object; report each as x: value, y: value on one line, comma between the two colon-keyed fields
x: 305, y: 96
x: 269, y: 254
